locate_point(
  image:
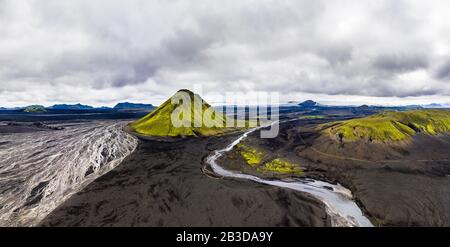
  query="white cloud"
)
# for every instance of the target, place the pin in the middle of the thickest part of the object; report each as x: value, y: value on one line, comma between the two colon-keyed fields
x: 101, y: 52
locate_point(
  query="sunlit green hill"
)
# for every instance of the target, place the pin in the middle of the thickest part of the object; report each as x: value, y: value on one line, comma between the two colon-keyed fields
x: 159, y: 122
x: 392, y: 126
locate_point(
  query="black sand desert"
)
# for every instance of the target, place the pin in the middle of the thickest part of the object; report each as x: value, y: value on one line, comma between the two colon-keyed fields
x: 162, y: 184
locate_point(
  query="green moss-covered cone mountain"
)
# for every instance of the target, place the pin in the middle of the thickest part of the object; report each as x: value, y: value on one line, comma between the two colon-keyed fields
x: 159, y: 122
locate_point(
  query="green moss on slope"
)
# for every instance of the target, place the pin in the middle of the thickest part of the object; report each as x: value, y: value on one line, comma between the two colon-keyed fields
x: 159, y: 121
x: 281, y: 166
x: 311, y: 117
x: 393, y: 126
x: 255, y: 158
x: 251, y: 155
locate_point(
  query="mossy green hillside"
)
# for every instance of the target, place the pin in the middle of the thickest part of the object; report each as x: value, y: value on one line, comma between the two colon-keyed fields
x: 393, y: 126
x: 159, y: 122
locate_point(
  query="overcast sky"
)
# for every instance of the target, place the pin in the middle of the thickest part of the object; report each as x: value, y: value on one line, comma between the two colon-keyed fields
x: 341, y: 52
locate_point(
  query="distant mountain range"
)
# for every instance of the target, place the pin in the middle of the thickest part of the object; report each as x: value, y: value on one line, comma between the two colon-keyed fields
x: 433, y: 105
x: 312, y: 104
x: 127, y: 106
x: 124, y: 106
x: 71, y: 107
x: 133, y: 106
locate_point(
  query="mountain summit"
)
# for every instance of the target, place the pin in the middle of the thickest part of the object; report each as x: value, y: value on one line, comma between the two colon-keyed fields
x: 35, y: 109
x: 308, y: 104
x: 71, y: 107
x: 184, y: 114
x: 133, y: 106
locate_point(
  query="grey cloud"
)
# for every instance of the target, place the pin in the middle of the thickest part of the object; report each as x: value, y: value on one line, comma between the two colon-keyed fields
x: 349, y: 48
x: 336, y: 53
x: 397, y: 62
x: 443, y: 72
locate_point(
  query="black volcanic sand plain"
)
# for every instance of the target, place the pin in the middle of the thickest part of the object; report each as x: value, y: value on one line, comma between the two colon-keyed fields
x: 162, y: 184
x: 396, y: 184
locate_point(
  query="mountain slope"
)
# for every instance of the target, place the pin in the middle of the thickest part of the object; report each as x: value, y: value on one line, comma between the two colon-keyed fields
x: 159, y: 121
x: 34, y: 109
x: 392, y: 126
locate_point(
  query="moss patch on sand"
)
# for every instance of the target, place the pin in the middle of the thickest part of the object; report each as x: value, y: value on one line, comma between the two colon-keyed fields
x: 281, y: 166
x: 251, y: 155
x: 263, y: 163
x: 311, y: 117
x: 392, y: 126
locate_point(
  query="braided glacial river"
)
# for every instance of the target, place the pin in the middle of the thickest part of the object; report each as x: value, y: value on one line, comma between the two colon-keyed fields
x: 337, y: 199
x: 40, y: 170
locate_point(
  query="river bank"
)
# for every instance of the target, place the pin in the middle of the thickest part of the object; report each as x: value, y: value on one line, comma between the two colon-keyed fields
x: 395, y: 185
x: 342, y: 209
